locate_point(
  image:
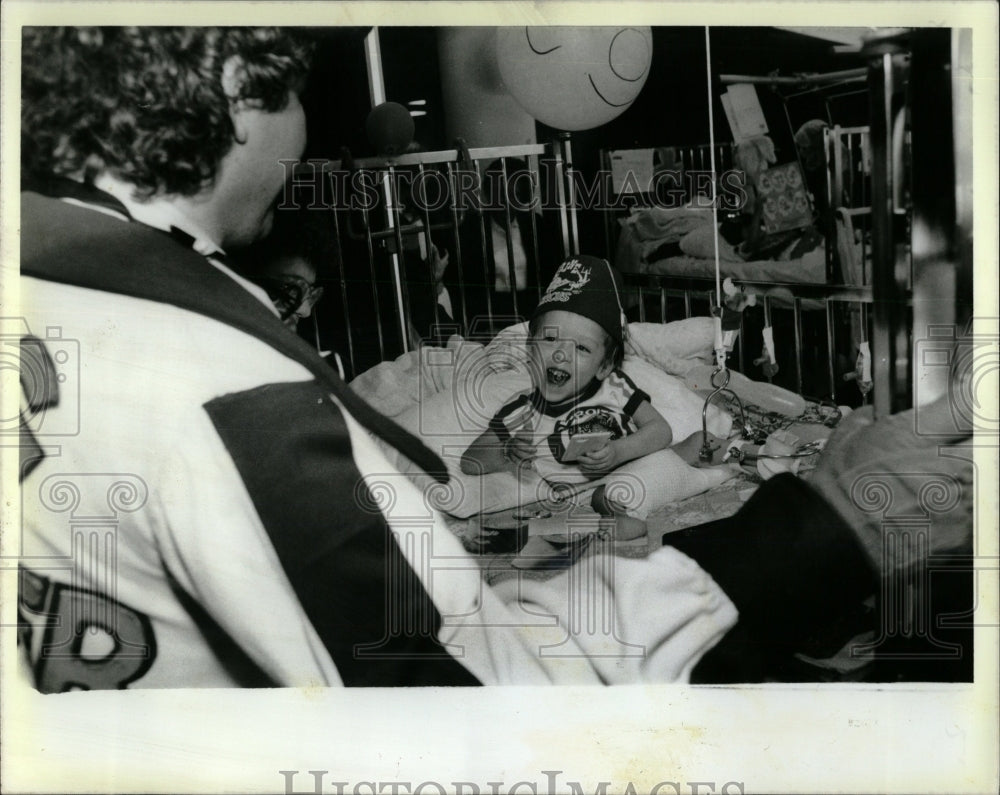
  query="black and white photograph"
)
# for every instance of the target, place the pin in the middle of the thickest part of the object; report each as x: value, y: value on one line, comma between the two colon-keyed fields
x: 461, y: 397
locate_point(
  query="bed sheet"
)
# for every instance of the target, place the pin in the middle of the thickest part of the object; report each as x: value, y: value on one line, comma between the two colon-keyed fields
x: 807, y: 269
x: 638, y: 244
x: 718, y: 502
x: 636, y: 249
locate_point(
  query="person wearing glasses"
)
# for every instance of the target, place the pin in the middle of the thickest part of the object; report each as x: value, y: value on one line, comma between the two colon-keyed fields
x: 290, y: 282
x: 285, y: 265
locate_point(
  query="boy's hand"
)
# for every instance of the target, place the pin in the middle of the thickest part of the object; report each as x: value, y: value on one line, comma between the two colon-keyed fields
x: 519, y: 449
x: 439, y: 263
x: 603, y: 460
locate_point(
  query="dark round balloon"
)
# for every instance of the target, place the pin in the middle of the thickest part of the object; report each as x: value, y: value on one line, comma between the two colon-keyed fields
x: 390, y: 128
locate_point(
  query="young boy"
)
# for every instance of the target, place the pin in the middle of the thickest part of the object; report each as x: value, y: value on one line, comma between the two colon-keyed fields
x: 576, y: 346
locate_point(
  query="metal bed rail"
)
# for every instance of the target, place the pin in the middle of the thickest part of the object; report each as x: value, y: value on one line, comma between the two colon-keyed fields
x: 846, y: 314
x: 382, y: 238
x: 849, y: 189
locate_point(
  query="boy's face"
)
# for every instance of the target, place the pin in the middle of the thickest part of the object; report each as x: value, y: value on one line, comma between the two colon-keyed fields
x: 567, y: 353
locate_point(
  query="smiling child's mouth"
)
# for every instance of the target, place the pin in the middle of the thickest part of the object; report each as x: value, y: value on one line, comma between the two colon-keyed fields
x: 556, y: 377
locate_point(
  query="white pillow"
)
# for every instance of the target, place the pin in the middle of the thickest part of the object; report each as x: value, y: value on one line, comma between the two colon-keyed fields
x: 670, y: 396
x: 674, y: 347
x: 660, y: 478
x: 390, y: 387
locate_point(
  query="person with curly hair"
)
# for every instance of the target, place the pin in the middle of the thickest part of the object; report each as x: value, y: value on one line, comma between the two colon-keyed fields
x: 148, y: 153
x: 190, y: 117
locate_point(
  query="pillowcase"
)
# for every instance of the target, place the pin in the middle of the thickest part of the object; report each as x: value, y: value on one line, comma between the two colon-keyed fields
x: 674, y: 347
x: 392, y: 387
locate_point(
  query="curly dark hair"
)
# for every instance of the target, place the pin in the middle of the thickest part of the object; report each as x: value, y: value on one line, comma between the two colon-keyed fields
x: 147, y: 104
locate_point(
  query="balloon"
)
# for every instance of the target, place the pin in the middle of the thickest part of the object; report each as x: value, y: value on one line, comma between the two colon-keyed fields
x: 389, y: 127
x: 574, y: 78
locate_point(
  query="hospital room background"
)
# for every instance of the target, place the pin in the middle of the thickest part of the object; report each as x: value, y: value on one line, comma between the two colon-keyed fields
x: 801, y: 195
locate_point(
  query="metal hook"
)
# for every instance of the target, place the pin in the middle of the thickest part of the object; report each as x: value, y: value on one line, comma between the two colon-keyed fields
x: 705, y: 454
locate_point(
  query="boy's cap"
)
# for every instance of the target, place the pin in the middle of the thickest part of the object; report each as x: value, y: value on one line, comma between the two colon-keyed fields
x: 591, y: 287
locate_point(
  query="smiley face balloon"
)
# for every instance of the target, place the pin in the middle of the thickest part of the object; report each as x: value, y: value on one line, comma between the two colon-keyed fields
x: 574, y: 78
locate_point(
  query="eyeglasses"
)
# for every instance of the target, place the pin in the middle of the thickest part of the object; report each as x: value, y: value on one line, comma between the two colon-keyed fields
x: 289, y: 293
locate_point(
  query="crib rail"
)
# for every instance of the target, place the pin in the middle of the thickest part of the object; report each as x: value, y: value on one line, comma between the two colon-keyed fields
x: 849, y: 191
x: 394, y: 218
x: 818, y: 329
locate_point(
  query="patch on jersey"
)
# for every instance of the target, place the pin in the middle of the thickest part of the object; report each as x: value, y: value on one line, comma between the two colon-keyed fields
x: 586, y: 419
x: 293, y: 451
x: 592, y: 418
x: 78, y: 639
x: 40, y: 388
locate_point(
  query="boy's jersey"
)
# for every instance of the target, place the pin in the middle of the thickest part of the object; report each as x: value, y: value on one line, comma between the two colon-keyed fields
x: 605, y: 405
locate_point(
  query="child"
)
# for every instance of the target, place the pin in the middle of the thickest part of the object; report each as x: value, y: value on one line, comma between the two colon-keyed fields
x: 576, y: 346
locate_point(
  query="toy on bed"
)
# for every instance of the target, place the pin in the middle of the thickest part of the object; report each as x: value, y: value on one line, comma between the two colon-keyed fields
x: 761, y: 443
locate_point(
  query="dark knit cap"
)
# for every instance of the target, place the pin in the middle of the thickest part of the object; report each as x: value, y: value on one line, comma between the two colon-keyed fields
x: 591, y: 287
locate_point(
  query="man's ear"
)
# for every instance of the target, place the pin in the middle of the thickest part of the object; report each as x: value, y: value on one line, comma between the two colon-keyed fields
x: 605, y: 370
x: 232, y: 82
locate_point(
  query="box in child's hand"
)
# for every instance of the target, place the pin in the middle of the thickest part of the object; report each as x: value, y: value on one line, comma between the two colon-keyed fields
x: 783, y: 197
